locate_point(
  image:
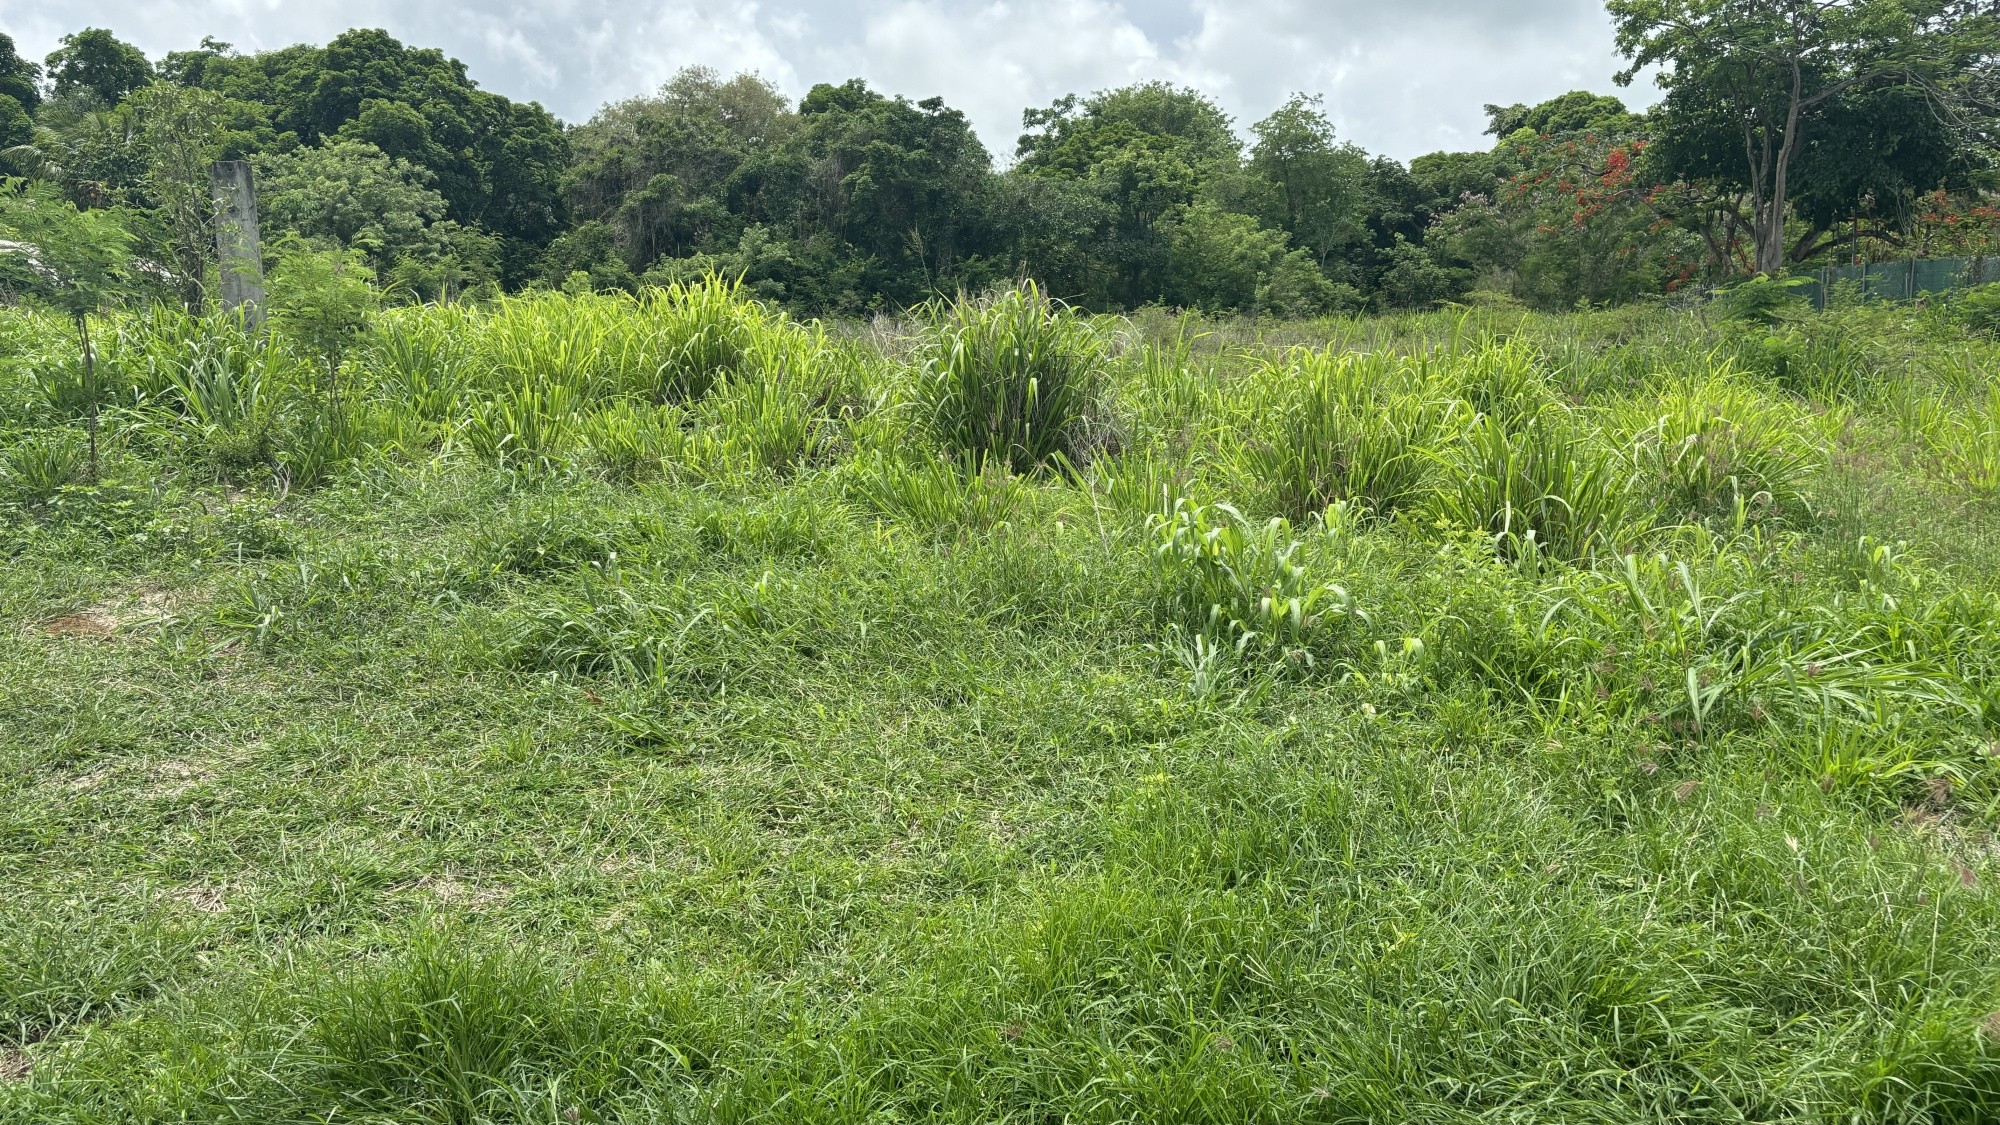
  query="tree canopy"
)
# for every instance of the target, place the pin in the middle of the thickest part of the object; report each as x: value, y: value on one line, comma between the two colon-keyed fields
x: 99, y: 64
x: 1788, y: 131
x: 1847, y: 99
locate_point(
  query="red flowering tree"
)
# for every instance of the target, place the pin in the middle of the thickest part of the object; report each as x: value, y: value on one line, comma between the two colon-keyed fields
x: 1578, y: 222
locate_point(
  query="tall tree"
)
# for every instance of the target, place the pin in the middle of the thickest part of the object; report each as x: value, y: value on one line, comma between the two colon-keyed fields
x: 660, y: 169
x: 497, y: 163
x: 20, y: 79
x: 1578, y: 111
x: 98, y: 63
x: 1773, y: 74
x: 1148, y: 151
x: 1318, y: 188
x: 903, y: 184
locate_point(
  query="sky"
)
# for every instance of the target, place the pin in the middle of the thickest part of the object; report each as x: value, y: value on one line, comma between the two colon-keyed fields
x: 1400, y: 77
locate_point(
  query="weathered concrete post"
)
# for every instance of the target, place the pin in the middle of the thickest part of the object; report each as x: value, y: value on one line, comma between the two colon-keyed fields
x: 237, y: 250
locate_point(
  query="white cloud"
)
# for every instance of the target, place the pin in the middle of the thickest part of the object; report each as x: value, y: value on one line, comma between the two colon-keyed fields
x: 1403, y: 78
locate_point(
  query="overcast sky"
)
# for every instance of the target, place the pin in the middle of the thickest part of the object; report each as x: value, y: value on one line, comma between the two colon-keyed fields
x: 1402, y: 77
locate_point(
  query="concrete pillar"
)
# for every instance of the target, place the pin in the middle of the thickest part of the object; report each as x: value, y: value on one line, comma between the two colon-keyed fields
x: 237, y: 250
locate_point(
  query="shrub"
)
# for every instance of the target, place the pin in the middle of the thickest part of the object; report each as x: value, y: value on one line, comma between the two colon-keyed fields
x: 1978, y: 309
x: 211, y: 379
x: 1015, y: 376
x: 700, y: 333
x: 1764, y: 300
x: 422, y: 355
x: 768, y: 424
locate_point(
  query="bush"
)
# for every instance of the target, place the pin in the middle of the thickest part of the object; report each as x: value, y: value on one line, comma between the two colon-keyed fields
x: 1767, y: 301
x: 1978, y: 309
x: 1015, y: 376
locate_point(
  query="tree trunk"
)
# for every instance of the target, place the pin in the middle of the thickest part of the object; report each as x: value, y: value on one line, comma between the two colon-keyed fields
x: 1771, y: 256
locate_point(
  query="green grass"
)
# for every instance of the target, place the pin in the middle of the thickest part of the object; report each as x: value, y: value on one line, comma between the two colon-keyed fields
x: 688, y: 724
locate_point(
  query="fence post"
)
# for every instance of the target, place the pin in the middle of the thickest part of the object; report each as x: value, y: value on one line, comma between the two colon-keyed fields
x: 237, y: 248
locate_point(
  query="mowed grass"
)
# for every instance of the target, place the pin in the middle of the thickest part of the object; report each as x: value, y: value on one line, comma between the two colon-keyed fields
x: 1604, y: 730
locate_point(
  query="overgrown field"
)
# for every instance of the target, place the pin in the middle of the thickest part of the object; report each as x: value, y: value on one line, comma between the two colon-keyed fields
x: 588, y: 709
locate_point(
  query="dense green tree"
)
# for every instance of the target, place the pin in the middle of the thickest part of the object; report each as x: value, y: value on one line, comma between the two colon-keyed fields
x: 1576, y: 223
x: 95, y: 153
x: 95, y: 62
x: 1052, y: 230
x: 1578, y: 111
x: 660, y: 170
x: 903, y: 184
x: 1313, y: 188
x: 1446, y: 179
x: 1148, y: 151
x: 497, y: 163
x: 190, y: 68
x: 1794, y: 124
x: 16, y: 128
x: 348, y: 195
x: 1755, y: 88
x: 20, y: 79
x: 1223, y: 261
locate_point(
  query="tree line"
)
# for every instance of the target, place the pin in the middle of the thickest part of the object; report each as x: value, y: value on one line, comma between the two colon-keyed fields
x: 1789, y: 132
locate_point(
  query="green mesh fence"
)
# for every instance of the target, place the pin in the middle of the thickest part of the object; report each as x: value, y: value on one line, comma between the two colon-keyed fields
x: 1900, y: 281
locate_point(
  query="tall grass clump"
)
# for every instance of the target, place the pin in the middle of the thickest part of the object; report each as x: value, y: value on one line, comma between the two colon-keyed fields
x: 1229, y: 579
x: 1502, y: 380
x: 458, y: 1036
x: 541, y: 365
x: 1967, y: 443
x: 1016, y: 376
x: 213, y: 382
x: 1704, y: 446
x: 422, y: 358
x: 1329, y: 428
x: 523, y: 426
x: 38, y: 466
x: 671, y: 344
x: 630, y: 442
x: 934, y: 494
x: 1546, y: 487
